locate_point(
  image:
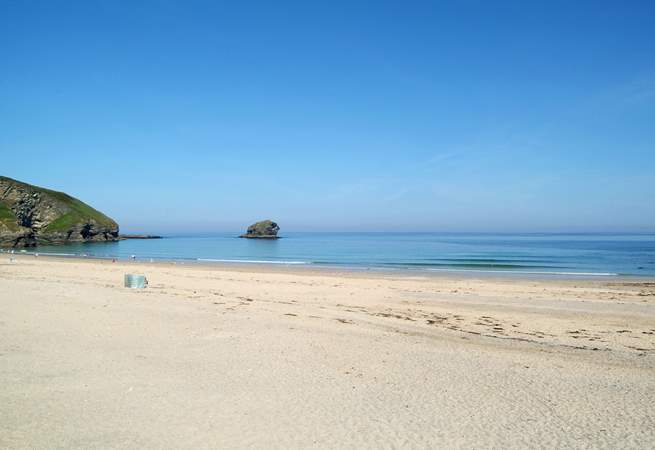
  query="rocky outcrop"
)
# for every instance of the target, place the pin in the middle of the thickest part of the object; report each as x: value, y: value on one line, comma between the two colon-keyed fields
x: 266, y: 229
x: 31, y: 215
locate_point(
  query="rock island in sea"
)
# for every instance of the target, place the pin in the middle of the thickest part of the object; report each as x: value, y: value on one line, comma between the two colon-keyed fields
x: 265, y: 229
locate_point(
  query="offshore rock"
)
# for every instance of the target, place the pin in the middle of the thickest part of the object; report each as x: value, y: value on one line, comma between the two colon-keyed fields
x: 265, y: 229
x: 31, y: 215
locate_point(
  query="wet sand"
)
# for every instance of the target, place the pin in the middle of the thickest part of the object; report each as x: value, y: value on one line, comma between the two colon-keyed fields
x: 256, y: 357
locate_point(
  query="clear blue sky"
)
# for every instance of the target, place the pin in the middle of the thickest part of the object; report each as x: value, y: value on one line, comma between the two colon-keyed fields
x: 444, y: 116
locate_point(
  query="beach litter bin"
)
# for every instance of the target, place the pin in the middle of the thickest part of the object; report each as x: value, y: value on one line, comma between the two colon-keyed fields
x: 135, y: 281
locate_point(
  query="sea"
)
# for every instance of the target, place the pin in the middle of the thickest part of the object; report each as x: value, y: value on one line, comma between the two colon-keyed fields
x: 547, y: 254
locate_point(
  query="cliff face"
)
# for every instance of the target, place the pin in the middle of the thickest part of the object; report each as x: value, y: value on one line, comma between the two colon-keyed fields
x: 31, y: 215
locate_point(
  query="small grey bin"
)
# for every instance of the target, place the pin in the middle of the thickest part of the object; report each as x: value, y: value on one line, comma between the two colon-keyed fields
x: 135, y: 281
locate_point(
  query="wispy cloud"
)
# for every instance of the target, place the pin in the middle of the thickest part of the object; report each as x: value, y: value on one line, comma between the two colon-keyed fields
x: 631, y: 93
x: 442, y: 157
x: 636, y: 92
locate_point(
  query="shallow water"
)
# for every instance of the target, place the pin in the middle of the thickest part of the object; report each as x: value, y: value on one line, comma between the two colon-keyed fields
x: 563, y: 254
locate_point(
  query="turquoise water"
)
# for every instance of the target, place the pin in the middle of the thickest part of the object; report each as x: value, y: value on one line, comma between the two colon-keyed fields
x: 591, y: 254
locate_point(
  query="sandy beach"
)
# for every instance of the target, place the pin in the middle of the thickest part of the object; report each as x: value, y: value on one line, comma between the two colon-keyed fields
x: 258, y: 357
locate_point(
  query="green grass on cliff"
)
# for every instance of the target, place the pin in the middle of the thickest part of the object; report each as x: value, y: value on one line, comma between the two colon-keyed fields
x: 7, y: 217
x: 63, y: 223
x: 6, y: 213
x: 79, y: 212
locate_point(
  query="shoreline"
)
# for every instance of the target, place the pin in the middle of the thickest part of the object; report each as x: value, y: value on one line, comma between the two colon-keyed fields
x: 291, y: 266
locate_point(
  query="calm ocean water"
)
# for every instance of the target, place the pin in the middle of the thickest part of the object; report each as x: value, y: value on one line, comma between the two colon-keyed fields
x: 563, y: 254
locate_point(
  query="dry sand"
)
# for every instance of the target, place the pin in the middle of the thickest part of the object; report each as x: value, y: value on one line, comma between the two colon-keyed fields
x: 233, y: 357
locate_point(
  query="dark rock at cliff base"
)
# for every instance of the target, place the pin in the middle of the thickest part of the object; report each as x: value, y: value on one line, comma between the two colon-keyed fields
x: 266, y: 229
x: 31, y: 215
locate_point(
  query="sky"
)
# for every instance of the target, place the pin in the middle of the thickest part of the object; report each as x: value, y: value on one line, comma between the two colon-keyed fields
x: 203, y: 116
